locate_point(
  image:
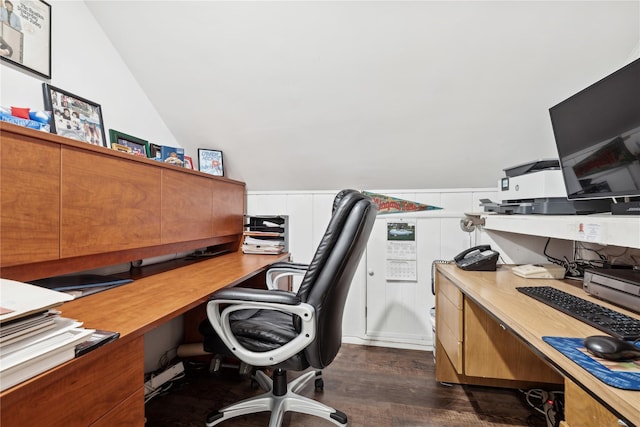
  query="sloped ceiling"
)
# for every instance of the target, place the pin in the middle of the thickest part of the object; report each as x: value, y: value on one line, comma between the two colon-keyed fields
x: 374, y: 95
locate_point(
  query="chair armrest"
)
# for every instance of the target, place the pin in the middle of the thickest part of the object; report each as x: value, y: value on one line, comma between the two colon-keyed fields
x: 238, y: 294
x: 223, y: 303
x: 281, y: 270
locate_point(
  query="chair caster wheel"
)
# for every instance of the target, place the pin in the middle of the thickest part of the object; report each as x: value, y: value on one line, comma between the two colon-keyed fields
x: 319, y: 383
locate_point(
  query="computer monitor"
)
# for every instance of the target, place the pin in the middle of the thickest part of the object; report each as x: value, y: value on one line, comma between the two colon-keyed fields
x: 597, y: 134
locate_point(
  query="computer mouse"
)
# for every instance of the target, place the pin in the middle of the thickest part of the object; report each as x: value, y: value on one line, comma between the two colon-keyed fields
x: 611, y: 348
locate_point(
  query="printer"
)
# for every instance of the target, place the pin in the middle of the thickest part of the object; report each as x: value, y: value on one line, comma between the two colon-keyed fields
x: 537, y: 187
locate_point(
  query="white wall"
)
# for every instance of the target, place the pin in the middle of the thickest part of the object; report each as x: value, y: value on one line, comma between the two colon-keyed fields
x: 85, y: 63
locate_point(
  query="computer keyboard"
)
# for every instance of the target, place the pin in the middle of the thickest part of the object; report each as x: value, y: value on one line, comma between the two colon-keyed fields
x: 613, y: 323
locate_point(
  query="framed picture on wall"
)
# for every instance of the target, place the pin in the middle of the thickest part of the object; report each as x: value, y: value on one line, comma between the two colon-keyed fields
x: 210, y: 161
x: 73, y: 116
x: 138, y: 147
x: 25, y: 35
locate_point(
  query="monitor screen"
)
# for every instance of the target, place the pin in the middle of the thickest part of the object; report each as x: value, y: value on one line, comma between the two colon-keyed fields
x: 597, y: 133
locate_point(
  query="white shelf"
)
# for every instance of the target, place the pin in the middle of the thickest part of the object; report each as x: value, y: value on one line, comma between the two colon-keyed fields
x: 603, y: 229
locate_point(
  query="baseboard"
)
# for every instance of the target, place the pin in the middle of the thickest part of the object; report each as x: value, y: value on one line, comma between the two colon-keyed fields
x: 386, y: 343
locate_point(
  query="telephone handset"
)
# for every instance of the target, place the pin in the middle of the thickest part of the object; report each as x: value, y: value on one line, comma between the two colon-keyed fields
x: 477, y: 258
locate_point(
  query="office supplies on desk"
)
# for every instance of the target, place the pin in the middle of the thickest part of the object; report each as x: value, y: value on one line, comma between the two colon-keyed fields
x: 97, y: 339
x: 477, y: 258
x: 19, y: 299
x: 539, y: 271
x: 35, y: 354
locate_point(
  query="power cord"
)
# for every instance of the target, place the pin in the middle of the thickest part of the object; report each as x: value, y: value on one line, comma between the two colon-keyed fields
x: 550, y: 404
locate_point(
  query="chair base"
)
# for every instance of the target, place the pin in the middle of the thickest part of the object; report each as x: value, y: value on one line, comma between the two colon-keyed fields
x: 279, y: 398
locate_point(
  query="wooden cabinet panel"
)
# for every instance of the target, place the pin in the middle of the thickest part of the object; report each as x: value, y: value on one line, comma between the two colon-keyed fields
x: 108, y: 204
x: 128, y: 413
x: 30, y: 200
x: 449, y: 322
x: 229, y: 198
x: 187, y: 204
x: 80, y: 392
x: 583, y: 410
x: 486, y: 340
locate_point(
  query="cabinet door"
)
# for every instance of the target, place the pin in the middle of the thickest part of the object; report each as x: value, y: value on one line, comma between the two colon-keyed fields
x: 108, y: 204
x: 187, y: 204
x: 486, y: 340
x: 30, y: 200
x: 228, y: 203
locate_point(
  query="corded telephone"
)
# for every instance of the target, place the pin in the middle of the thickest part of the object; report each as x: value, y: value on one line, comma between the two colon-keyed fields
x: 477, y: 258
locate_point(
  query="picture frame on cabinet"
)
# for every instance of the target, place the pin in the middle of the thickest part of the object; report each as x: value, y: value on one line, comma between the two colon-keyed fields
x: 155, y: 151
x: 138, y: 147
x: 210, y: 161
x: 188, y: 162
x: 73, y: 116
x: 25, y: 35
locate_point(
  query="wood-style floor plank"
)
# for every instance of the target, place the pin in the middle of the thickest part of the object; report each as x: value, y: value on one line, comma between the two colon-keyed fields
x: 374, y: 386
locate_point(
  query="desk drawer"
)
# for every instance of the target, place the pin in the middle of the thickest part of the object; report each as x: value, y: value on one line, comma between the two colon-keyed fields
x: 449, y: 322
x: 79, y: 392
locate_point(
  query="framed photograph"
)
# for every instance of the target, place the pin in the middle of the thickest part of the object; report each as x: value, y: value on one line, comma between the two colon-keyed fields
x: 25, y: 35
x: 136, y: 146
x: 73, y: 116
x: 210, y: 161
x: 188, y: 162
x: 155, y: 151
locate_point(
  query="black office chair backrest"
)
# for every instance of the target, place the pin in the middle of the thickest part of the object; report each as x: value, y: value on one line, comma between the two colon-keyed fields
x: 327, y: 281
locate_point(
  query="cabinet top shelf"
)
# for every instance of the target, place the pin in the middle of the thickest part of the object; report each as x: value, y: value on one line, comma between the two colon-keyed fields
x: 605, y: 229
x: 42, y: 136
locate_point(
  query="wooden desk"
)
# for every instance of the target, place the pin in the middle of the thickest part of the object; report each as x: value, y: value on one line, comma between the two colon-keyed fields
x: 588, y: 401
x: 105, y: 386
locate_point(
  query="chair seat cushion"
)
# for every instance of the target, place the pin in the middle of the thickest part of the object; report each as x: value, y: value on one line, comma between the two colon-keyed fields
x: 259, y: 331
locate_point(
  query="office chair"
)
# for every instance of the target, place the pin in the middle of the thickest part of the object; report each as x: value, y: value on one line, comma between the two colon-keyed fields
x: 294, y: 331
x: 276, y: 272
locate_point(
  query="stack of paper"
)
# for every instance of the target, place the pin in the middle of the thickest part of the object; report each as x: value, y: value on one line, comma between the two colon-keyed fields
x: 265, y: 235
x: 33, y: 336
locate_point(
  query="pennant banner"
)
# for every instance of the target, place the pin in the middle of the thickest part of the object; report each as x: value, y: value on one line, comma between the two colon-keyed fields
x: 388, y: 204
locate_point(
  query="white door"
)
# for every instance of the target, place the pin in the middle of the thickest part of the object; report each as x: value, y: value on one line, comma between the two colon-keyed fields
x: 397, y: 311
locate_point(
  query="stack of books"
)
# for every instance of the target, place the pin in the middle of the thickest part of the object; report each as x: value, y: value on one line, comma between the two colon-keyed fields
x: 265, y: 235
x: 34, y: 337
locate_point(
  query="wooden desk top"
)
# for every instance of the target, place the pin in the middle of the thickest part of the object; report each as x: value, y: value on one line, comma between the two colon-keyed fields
x: 136, y: 308
x: 531, y: 320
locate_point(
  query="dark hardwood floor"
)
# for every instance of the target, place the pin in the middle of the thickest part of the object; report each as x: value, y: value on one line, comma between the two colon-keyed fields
x: 374, y: 386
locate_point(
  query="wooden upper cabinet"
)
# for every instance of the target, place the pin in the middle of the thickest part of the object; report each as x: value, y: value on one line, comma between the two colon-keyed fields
x: 108, y: 203
x: 69, y: 206
x: 30, y: 202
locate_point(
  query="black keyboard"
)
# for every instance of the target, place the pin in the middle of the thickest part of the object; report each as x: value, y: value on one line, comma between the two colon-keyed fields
x: 613, y: 323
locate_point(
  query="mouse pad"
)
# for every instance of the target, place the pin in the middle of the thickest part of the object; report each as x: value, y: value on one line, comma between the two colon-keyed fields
x: 574, y: 350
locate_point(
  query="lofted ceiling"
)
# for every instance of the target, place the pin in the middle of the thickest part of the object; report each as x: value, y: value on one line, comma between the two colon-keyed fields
x: 303, y: 95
